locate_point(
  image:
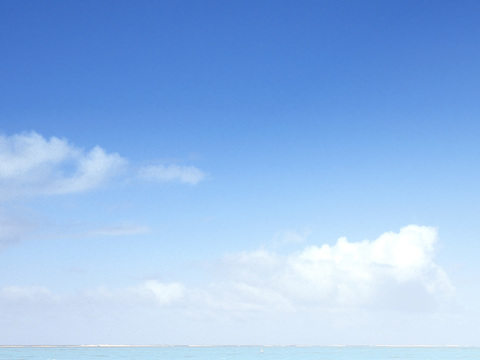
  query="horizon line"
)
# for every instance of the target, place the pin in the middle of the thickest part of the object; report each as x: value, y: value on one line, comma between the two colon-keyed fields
x: 229, y: 345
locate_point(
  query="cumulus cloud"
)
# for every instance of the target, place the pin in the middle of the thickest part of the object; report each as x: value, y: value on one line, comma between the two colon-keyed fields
x: 351, y: 273
x: 184, y: 174
x: 31, y: 164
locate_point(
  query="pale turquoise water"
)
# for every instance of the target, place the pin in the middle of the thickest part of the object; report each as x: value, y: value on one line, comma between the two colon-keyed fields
x: 239, y: 353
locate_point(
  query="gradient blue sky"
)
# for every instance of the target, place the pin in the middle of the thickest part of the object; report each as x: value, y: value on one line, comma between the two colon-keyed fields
x: 177, y: 172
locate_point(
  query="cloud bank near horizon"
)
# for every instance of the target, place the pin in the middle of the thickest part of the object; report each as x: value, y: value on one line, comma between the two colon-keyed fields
x: 396, y: 271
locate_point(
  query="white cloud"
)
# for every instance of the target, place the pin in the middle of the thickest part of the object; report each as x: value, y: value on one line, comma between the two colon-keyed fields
x: 349, y: 292
x: 31, y: 164
x: 184, y: 174
x: 92, y: 170
x: 350, y: 274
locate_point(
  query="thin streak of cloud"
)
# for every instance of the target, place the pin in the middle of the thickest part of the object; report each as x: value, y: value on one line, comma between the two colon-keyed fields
x: 184, y: 174
x: 120, y: 230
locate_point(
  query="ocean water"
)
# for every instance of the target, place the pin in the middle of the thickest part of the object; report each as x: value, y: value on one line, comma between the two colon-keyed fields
x: 237, y: 352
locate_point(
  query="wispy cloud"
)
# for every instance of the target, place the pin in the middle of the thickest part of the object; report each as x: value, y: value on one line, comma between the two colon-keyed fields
x: 120, y: 230
x: 32, y: 165
x: 14, y: 228
x: 184, y: 174
x: 290, y: 237
x: 160, y: 293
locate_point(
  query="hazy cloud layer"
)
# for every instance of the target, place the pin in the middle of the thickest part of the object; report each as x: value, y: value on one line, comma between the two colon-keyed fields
x: 19, y: 294
x: 160, y: 293
x: 148, y: 293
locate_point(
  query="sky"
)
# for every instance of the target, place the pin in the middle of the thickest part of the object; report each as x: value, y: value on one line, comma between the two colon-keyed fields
x: 239, y: 172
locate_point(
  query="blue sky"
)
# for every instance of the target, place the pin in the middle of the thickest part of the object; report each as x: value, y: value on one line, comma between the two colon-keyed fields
x: 239, y: 172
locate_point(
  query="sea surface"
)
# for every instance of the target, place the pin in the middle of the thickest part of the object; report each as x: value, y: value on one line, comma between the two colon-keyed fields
x: 238, y: 352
